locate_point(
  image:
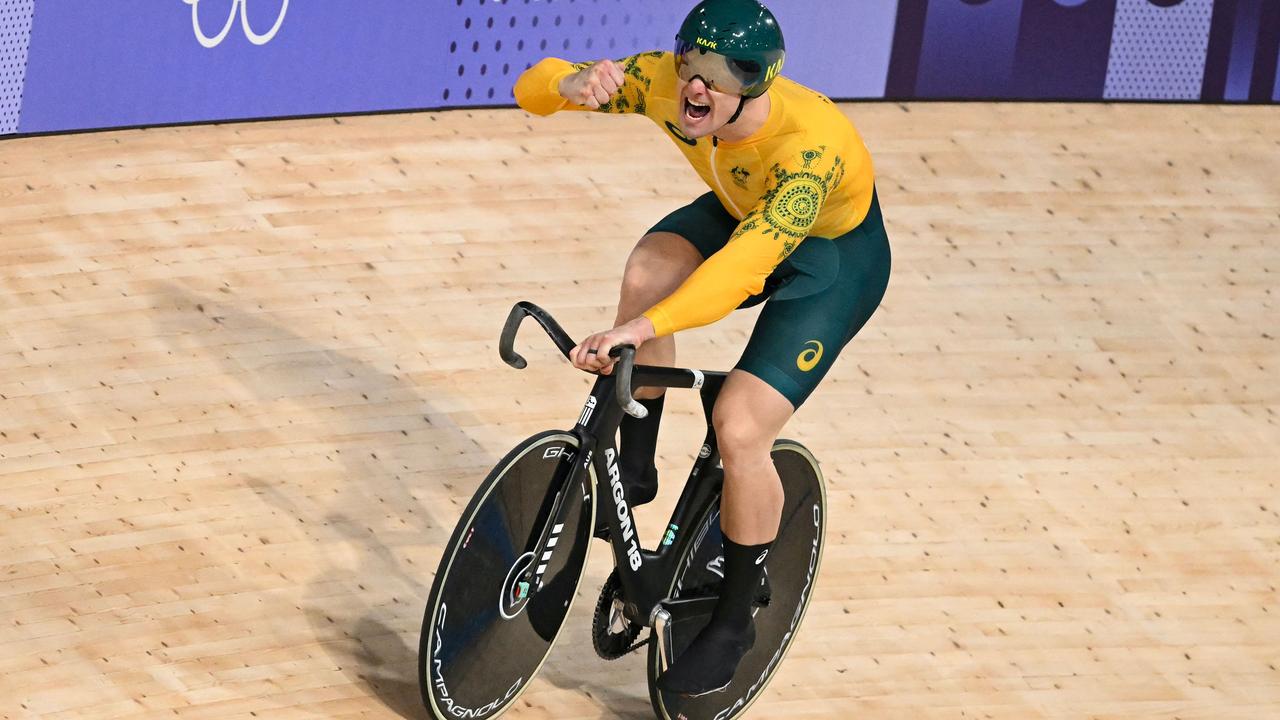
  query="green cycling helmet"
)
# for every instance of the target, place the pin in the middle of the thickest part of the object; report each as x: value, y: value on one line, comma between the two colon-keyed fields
x: 735, y: 46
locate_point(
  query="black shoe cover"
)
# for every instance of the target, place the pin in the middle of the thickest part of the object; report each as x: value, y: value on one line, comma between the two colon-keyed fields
x: 709, y: 663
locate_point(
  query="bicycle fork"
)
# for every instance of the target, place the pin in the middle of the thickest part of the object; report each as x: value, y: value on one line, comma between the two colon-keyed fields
x: 573, y: 471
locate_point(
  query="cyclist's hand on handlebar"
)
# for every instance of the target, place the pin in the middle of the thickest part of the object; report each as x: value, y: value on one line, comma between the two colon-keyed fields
x: 594, y: 85
x: 592, y: 354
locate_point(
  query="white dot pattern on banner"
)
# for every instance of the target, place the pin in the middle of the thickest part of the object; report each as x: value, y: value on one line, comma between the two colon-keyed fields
x: 493, y: 41
x: 1158, y: 53
x: 15, y: 37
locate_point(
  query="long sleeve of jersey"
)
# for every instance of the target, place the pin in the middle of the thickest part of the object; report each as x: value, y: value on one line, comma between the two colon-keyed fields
x: 538, y: 89
x: 802, y: 181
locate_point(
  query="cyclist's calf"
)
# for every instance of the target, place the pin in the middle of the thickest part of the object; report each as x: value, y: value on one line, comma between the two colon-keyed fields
x: 748, y: 417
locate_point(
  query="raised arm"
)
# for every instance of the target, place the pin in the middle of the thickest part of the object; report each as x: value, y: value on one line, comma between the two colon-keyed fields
x: 613, y: 86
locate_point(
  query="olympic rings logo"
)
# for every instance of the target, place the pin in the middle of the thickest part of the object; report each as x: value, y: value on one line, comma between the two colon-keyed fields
x: 242, y: 6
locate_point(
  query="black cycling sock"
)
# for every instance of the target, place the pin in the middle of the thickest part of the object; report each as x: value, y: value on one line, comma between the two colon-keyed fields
x: 638, y: 442
x: 712, y: 658
x: 743, y: 565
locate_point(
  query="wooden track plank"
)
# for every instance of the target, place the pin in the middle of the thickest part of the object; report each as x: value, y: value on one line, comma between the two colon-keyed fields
x: 248, y: 381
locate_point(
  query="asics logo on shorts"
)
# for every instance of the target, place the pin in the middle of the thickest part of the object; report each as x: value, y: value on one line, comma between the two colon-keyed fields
x: 810, y: 358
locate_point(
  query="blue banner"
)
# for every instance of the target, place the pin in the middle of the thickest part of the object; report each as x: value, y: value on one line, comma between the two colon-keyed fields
x: 78, y: 64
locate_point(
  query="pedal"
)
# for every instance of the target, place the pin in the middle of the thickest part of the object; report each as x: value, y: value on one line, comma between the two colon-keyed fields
x: 677, y: 622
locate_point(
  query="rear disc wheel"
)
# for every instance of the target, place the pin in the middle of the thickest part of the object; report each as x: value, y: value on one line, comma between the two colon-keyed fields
x: 780, y: 601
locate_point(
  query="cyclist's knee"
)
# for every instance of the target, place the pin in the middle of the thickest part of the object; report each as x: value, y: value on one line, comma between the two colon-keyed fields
x: 668, y: 247
x: 747, y: 418
x: 641, y: 282
x: 658, y: 265
x: 739, y: 437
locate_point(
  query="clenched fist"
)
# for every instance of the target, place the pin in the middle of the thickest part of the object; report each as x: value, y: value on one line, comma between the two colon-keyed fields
x: 594, y: 85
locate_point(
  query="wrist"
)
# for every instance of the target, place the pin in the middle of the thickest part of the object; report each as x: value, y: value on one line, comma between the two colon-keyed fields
x: 644, y: 329
x: 560, y: 82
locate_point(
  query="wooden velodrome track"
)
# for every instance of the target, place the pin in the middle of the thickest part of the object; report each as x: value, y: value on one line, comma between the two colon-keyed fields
x: 248, y: 379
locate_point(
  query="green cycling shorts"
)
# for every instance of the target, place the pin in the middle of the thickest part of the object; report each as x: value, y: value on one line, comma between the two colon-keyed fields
x: 815, y: 301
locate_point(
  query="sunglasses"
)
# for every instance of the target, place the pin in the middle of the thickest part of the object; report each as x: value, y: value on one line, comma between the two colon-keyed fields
x: 720, y: 73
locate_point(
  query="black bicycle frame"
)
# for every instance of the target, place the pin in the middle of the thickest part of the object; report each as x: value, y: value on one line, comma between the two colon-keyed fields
x: 644, y: 575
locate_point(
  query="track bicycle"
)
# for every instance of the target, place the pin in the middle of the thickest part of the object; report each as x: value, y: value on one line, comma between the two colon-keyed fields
x: 511, y: 568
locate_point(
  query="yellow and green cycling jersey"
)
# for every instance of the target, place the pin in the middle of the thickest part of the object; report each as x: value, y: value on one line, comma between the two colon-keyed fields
x: 805, y: 173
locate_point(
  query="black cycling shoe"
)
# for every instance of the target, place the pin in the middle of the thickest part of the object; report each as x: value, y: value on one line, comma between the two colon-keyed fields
x: 638, y: 493
x: 710, y: 661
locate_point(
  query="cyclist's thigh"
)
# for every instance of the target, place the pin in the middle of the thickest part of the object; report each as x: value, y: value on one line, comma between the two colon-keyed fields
x: 704, y: 223
x: 804, y: 326
x: 669, y: 253
x: 708, y: 227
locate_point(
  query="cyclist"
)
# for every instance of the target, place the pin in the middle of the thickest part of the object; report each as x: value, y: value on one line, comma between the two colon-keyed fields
x: 792, y: 219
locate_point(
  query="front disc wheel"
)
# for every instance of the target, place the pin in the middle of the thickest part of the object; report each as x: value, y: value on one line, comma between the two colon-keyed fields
x: 486, y: 631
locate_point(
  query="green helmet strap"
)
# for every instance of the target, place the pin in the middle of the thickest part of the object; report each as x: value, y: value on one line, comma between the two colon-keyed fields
x: 742, y: 104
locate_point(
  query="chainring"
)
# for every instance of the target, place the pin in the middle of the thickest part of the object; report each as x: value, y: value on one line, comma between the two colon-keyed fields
x: 612, y: 635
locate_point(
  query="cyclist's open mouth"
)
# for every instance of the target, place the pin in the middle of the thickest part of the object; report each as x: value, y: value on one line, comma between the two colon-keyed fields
x: 694, y: 112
